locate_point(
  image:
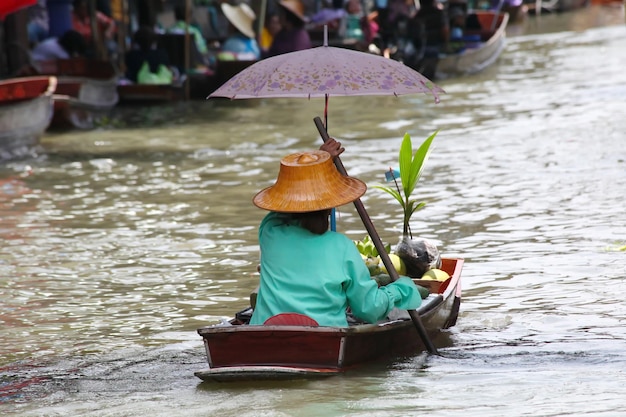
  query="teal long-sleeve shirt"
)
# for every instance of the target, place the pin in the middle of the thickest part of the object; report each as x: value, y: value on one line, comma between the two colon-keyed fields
x: 320, y: 276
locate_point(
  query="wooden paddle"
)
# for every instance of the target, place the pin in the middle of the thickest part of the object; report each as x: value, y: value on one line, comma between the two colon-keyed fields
x: 384, y: 256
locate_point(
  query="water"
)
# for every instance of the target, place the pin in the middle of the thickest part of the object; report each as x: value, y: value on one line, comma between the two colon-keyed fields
x: 119, y: 243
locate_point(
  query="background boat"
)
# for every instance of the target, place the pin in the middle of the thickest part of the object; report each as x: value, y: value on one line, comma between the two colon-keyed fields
x: 554, y: 6
x: 150, y: 93
x: 475, y: 58
x: 86, y: 91
x: 25, y: 113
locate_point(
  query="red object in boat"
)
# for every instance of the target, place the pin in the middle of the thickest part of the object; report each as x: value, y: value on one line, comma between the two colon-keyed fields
x: 293, y: 319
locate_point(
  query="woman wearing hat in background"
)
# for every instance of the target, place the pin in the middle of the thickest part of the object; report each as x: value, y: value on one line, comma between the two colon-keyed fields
x: 241, y: 45
x: 307, y: 269
x: 292, y: 36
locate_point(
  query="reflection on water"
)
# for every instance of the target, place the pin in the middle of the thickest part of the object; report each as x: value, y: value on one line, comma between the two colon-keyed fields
x: 118, y: 243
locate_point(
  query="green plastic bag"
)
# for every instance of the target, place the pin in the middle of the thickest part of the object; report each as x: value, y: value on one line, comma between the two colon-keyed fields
x: 162, y: 76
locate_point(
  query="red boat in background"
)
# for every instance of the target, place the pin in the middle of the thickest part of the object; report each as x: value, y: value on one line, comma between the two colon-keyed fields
x: 237, y: 351
x: 26, y: 106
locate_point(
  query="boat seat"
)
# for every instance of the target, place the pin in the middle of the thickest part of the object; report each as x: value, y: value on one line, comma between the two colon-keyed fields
x: 291, y: 319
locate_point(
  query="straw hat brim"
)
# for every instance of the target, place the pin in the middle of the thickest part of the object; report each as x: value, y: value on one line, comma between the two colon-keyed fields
x: 240, y: 18
x: 305, y: 185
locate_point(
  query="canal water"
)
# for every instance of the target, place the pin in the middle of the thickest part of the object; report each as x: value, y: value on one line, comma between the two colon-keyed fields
x: 118, y: 243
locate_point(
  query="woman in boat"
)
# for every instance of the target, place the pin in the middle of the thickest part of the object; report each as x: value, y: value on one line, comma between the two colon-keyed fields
x: 307, y: 269
x: 293, y: 35
x: 241, y: 45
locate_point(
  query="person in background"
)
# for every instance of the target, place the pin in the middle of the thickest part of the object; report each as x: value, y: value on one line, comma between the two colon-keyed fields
x: 104, y: 6
x: 38, y: 23
x: 241, y: 45
x: 359, y: 26
x: 270, y: 29
x: 307, y: 269
x: 434, y: 20
x: 145, y: 52
x: 457, y: 29
x: 389, y: 13
x: 353, y: 20
x: 292, y: 35
x: 70, y: 44
x: 81, y: 22
x: 181, y: 26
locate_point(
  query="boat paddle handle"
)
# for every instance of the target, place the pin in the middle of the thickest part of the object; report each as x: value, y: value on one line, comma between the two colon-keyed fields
x: 384, y: 256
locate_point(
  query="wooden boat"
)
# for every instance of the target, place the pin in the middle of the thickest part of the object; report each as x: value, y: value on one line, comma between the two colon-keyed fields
x: 86, y: 91
x: 517, y: 11
x: 475, y: 58
x: 554, y: 6
x: 201, y: 84
x: 150, y: 93
x: 613, y: 3
x: 26, y: 107
x: 569, y: 5
x: 238, y: 351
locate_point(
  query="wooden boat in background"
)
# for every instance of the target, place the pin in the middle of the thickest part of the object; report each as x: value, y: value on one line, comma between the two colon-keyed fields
x: 569, y: 5
x: 478, y: 56
x: 238, y: 351
x: 150, y: 93
x: 517, y: 10
x: 26, y: 107
x: 554, y: 6
x: 86, y: 91
x: 613, y: 3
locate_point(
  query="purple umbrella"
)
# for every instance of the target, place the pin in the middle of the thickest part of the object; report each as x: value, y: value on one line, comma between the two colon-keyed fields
x: 326, y: 71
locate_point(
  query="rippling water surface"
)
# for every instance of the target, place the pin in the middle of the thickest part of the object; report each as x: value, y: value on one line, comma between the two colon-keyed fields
x: 118, y: 243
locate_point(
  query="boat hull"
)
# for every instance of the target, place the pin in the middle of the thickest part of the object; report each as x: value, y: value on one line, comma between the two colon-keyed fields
x: 241, y: 352
x: 26, y: 107
x: 86, y: 91
x: 149, y: 93
x: 473, y: 60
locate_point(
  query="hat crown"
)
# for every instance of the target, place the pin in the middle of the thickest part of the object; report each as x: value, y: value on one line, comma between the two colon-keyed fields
x: 247, y: 10
x: 309, y: 181
x: 308, y: 158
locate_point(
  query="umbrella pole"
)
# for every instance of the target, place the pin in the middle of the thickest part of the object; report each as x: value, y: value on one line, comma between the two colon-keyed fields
x: 333, y: 212
x: 371, y: 230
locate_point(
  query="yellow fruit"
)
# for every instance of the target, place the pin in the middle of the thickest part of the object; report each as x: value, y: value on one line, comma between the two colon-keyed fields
x: 436, y: 274
x: 398, y: 264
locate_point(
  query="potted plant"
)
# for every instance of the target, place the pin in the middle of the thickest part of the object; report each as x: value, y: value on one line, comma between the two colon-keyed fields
x: 418, y: 254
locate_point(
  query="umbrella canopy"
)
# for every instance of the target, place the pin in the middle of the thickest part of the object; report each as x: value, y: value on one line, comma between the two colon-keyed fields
x: 11, y: 6
x: 326, y: 71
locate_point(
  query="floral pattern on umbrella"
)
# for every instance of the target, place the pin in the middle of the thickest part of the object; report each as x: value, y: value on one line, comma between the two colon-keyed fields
x: 326, y: 71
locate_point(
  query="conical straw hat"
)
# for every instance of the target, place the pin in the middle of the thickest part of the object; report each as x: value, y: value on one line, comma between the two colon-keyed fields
x: 241, y: 16
x: 309, y: 181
